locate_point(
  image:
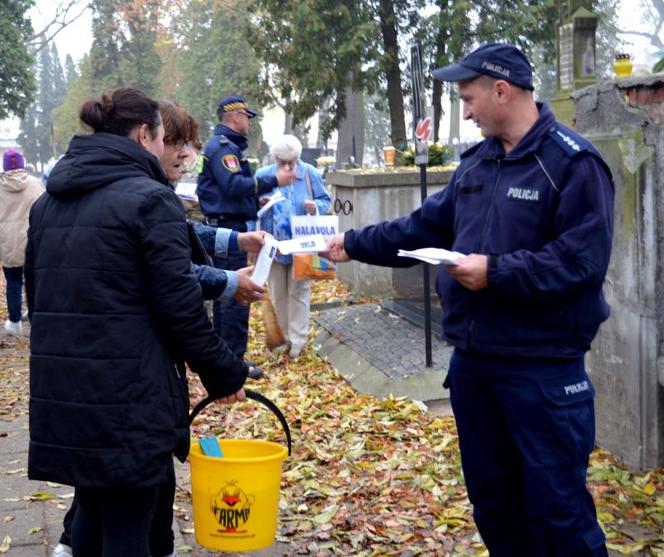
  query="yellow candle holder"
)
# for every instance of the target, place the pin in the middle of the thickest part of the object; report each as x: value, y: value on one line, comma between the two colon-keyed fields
x: 623, y: 66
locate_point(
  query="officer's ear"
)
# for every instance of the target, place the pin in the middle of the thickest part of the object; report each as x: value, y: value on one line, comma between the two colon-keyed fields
x: 502, y: 91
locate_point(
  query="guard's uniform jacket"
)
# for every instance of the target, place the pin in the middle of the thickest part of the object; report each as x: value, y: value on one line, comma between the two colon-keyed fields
x: 227, y: 188
x: 543, y: 213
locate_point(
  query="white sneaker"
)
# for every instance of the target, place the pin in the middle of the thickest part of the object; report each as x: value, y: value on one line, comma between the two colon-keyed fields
x: 14, y: 328
x: 62, y: 550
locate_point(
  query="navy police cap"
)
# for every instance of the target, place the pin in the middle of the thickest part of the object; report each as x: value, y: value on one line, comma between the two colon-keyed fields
x: 497, y: 60
x: 229, y: 104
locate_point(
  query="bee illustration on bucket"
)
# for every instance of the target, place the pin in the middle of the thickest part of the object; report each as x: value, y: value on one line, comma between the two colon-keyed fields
x: 231, y: 507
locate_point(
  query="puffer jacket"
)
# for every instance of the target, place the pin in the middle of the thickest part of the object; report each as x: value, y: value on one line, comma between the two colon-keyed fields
x: 113, y: 303
x: 18, y: 191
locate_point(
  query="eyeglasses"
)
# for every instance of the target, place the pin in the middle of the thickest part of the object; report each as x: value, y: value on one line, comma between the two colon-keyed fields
x: 182, y: 144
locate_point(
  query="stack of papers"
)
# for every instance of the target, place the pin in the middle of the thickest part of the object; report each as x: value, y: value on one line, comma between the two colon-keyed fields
x: 435, y: 256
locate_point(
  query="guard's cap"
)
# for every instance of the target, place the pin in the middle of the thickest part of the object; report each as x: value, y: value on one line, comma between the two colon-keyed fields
x: 498, y: 60
x: 234, y: 102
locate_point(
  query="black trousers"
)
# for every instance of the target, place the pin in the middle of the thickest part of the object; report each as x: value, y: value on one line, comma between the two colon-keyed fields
x: 113, y: 521
x: 161, y: 531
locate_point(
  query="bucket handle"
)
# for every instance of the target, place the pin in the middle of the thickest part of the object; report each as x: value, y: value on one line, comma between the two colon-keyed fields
x: 254, y: 396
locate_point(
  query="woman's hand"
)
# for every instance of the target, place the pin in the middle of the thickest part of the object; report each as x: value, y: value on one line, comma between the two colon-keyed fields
x: 235, y: 397
x: 310, y: 206
x: 247, y: 290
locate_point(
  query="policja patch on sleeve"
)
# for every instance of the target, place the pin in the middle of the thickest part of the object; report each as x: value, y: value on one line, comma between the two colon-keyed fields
x: 230, y: 163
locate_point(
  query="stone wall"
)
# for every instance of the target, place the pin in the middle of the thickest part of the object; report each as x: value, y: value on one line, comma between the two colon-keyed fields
x: 624, y: 120
x: 361, y: 198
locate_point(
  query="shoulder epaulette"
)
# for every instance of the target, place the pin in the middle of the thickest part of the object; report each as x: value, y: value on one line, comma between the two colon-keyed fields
x: 569, y: 141
x: 223, y: 140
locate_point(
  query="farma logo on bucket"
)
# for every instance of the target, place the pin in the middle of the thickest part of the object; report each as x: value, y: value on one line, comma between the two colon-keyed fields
x: 231, y: 508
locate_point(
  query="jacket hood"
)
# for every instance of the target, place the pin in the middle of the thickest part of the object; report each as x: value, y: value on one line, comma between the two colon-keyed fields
x: 94, y: 161
x: 14, y: 180
x: 493, y: 148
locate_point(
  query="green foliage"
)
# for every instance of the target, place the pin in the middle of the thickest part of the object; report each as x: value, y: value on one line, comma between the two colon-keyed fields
x: 439, y: 155
x: 36, y: 135
x: 312, y: 51
x: 17, y: 83
x: 213, y: 59
x: 65, y: 117
x: 140, y: 63
x: 659, y: 66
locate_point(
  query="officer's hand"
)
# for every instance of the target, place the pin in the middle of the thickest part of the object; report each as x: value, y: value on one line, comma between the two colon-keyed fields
x: 335, y: 249
x: 251, y: 242
x: 235, y: 397
x: 263, y: 200
x: 310, y: 206
x: 285, y: 176
x: 247, y: 290
x: 471, y: 272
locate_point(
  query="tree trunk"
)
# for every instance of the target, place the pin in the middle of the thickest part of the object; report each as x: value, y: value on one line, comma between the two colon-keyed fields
x: 351, y: 130
x: 437, y: 108
x: 392, y: 72
x: 288, y: 123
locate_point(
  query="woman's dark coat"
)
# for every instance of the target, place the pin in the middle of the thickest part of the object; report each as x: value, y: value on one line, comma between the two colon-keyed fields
x: 113, y: 303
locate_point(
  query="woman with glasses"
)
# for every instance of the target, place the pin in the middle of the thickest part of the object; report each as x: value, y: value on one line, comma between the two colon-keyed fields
x: 304, y: 195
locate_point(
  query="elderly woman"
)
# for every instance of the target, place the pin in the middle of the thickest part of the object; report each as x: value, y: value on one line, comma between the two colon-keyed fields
x: 305, y: 195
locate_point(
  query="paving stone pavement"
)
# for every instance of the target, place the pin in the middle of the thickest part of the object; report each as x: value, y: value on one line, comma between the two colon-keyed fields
x: 381, y: 353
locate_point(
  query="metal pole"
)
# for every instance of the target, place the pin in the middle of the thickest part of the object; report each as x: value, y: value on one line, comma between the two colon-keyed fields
x: 425, y: 280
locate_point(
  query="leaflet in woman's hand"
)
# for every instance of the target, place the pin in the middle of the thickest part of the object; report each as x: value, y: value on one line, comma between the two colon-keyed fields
x: 435, y: 256
x: 304, y: 244
x: 264, y: 261
x: 276, y: 198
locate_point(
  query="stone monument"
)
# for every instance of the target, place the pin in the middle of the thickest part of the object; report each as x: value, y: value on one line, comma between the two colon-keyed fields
x: 625, y: 120
x: 575, y: 50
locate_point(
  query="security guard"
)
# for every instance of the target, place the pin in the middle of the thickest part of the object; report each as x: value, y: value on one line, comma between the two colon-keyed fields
x: 532, y: 206
x: 228, y: 196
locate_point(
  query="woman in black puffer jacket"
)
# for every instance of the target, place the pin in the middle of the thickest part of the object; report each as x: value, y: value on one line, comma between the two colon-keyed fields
x: 113, y: 303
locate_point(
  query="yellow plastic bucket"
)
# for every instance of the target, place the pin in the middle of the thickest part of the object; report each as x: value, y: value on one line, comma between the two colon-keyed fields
x: 235, y: 499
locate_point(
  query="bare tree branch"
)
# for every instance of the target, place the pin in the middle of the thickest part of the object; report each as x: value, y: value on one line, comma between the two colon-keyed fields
x: 655, y: 40
x: 65, y: 13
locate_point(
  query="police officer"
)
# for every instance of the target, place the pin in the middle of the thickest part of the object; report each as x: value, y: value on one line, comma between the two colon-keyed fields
x: 532, y: 206
x: 228, y: 196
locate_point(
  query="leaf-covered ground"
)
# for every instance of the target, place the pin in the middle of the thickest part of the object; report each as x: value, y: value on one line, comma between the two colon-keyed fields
x: 370, y: 477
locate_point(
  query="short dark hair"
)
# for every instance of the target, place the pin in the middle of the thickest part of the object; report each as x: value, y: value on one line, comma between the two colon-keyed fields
x: 179, y: 125
x: 120, y: 110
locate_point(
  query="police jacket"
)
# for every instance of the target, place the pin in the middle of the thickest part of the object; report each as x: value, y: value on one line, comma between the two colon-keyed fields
x: 226, y: 184
x: 113, y: 304
x: 543, y: 214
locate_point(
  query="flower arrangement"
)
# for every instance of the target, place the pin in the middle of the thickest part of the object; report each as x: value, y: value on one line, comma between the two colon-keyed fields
x: 439, y: 155
x: 325, y: 161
